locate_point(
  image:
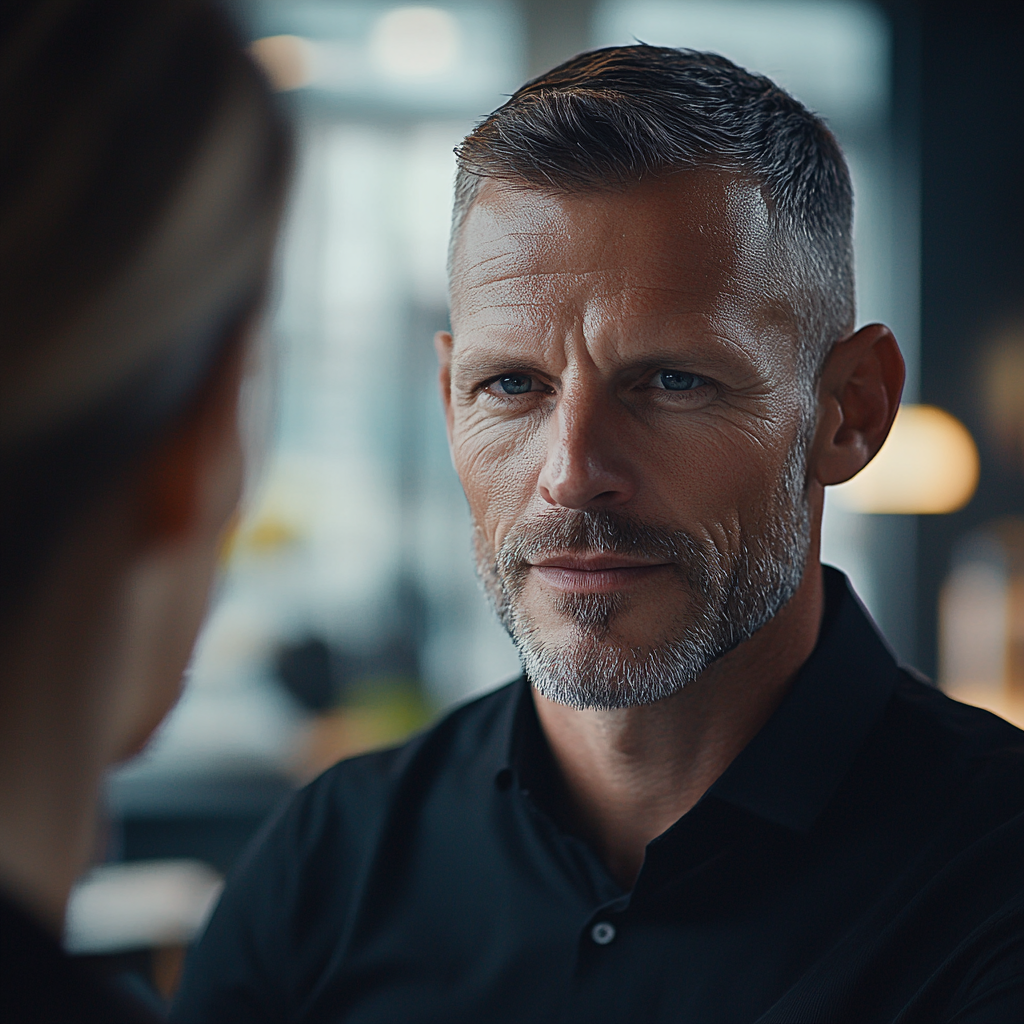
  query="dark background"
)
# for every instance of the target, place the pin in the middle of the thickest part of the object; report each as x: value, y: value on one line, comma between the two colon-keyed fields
x: 971, y: 73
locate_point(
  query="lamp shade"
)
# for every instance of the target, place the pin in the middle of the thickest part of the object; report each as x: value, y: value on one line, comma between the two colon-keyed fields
x: 928, y: 465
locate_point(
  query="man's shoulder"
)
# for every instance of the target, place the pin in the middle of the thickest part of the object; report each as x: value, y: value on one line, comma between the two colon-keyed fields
x: 972, y: 733
x: 970, y: 760
x: 937, y: 803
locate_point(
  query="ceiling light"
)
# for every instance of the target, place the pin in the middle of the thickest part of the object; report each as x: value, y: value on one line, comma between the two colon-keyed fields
x: 415, y: 43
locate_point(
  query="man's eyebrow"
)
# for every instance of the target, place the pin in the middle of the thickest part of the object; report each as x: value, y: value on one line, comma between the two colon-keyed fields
x: 667, y: 355
x: 724, y: 356
x: 484, y: 367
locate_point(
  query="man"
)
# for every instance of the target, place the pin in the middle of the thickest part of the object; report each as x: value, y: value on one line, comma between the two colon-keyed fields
x: 714, y: 796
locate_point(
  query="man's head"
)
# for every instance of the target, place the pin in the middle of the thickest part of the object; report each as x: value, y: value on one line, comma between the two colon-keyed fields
x: 650, y: 271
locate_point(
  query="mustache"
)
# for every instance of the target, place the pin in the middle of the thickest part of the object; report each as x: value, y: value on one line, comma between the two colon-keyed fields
x: 601, y: 531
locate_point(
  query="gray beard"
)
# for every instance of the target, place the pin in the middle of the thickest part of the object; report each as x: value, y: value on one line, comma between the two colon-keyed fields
x: 732, y: 595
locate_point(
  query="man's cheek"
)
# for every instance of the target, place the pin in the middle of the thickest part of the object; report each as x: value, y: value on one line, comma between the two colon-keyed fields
x: 710, y: 479
x: 499, y: 471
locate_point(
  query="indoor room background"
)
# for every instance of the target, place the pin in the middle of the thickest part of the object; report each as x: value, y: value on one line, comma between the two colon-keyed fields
x: 348, y: 614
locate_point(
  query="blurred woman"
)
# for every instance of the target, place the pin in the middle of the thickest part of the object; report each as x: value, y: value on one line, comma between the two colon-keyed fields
x: 142, y: 171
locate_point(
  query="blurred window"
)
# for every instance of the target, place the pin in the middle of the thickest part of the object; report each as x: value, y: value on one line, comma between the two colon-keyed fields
x: 357, y: 542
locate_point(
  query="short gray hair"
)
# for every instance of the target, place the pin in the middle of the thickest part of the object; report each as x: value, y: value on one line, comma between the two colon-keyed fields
x: 607, y: 119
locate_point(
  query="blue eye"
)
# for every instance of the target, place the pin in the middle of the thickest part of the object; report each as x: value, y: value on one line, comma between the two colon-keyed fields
x: 515, y: 383
x: 675, y: 380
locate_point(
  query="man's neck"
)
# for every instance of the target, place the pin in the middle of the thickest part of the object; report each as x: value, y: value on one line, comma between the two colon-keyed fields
x: 630, y: 773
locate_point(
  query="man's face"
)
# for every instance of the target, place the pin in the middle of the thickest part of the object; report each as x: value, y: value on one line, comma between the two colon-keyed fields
x: 626, y: 420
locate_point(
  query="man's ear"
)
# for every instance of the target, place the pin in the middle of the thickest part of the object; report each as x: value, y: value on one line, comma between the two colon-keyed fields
x: 858, y: 396
x: 443, y: 346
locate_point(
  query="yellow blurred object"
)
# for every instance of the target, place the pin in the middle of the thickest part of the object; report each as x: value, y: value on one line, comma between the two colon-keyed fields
x: 981, y: 623
x: 333, y: 736
x: 1003, y: 387
x: 229, y: 539
x: 270, y: 535
x: 286, y: 60
x: 389, y: 712
x: 928, y: 465
x: 264, y: 537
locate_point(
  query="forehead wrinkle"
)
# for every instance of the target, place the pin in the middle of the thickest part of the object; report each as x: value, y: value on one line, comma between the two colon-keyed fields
x: 531, y: 293
x: 561, y: 289
x: 491, y: 314
x: 489, y: 250
x: 647, y: 305
x: 495, y: 250
x: 549, y: 292
x: 673, y: 273
x: 703, y: 327
x: 744, y: 240
x: 535, y: 249
x: 677, y: 270
x: 728, y: 304
x: 545, y: 277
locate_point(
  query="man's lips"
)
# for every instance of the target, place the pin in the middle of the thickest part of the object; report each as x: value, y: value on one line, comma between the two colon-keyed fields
x: 593, y: 574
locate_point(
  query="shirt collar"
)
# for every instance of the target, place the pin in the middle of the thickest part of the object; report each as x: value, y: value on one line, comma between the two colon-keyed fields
x: 789, y: 771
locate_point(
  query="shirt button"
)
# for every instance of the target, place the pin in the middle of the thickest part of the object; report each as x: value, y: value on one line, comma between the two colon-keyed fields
x: 603, y: 932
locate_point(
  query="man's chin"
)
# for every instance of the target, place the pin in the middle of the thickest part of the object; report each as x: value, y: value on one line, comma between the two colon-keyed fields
x: 587, y: 668
x: 611, y: 622
x: 596, y: 674
x: 585, y: 639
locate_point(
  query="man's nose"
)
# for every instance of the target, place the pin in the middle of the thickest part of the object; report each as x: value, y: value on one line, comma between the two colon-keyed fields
x: 587, y: 462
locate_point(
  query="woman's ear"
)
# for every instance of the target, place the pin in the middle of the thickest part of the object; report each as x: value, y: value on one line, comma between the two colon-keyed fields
x: 858, y: 396
x: 192, y: 481
x: 184, y: 499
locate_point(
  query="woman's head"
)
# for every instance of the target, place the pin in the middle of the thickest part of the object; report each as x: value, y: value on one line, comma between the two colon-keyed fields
x: 142, y: 172
x: 141, y: 178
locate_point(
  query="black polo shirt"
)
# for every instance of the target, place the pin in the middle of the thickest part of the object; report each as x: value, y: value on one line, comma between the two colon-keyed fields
x: 861, y: 860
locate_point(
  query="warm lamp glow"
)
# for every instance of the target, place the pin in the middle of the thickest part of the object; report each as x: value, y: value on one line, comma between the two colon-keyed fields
x: 928, y: 465
x: 286, y: 60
